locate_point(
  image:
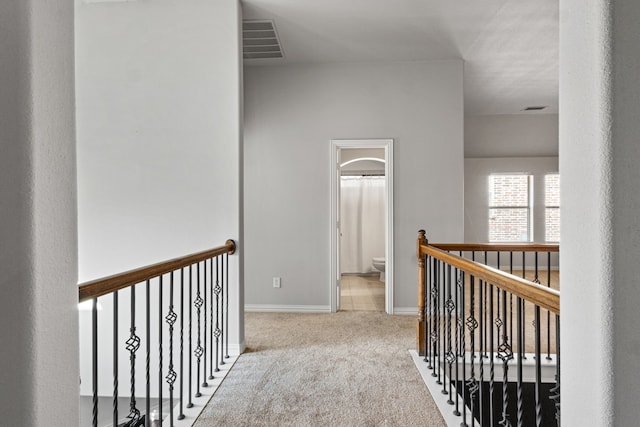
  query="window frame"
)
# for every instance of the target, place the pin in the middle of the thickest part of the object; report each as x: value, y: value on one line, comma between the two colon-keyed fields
x: 529, y: 207
x: 555, y: 207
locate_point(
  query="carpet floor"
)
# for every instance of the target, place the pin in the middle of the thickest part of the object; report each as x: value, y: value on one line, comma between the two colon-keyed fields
x: 340, y: 369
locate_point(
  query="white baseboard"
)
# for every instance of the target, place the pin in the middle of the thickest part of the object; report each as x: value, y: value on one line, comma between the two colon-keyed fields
x: 406, y: 311
x: 274, y: 308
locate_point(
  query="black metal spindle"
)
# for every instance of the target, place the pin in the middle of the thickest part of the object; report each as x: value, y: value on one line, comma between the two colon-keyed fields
x: 520, y: 419
x: 198, y: 352
x: 538, y: 368
x: 522, y: 329
x: 213, y: 332
x: 481, y: 396
x: 427, y: 311
x: 458, y: 318
x: 160, y: 325
x: 94, y: 359
x: 505, y: 354
x: 491, y: 358
x: 190, y: 362
x: 148, y: 364
x: 511, y: 303
x: 171, y: 374
x: 225, y: 327
x: 548, y: 312
x: 217, y: 332
x: 115, y: 358
x: 181, y: 375
x: 555, y: 391
x: 436, y: 322
x: 450, y: 356
x: 132, y: 346
x: 204, y: 331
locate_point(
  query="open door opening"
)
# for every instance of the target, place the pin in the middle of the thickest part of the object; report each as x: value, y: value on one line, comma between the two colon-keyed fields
x: 362, y: 225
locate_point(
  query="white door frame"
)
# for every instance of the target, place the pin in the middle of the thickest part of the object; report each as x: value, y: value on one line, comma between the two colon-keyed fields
x: 336, y: 145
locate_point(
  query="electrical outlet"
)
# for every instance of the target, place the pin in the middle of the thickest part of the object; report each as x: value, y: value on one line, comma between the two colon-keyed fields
x: 276, y: 282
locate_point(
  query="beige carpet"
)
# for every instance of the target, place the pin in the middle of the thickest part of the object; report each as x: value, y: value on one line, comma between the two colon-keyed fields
x: 342, y: 369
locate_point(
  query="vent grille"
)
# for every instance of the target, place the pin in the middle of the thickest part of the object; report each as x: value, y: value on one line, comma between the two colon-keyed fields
x: 260, y: 40
x: 535, y: 108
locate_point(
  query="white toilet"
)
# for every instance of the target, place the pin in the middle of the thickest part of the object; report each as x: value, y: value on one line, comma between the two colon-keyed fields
x: 378, y: 264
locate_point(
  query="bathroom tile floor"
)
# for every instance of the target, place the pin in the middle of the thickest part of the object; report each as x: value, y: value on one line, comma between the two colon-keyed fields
x: 361, y: 293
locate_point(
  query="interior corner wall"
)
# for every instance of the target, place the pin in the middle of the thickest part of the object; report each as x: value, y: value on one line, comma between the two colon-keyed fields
x: 38, y: 244
x: 292, y: 113
x: 158, y: 88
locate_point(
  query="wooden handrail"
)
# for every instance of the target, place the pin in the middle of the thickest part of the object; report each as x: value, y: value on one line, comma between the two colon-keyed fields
x: 539, y: 295
x: 498, y: 247
x: 107, y: 285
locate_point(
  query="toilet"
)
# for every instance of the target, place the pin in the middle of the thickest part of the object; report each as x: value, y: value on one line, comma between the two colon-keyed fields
x: 379, y: 263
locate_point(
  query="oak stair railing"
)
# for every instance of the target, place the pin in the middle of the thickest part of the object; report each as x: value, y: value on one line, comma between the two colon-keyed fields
x: 173, y: 337
x: 491, y: 339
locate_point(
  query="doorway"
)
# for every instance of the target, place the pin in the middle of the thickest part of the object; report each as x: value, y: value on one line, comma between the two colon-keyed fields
x: 362, y: 166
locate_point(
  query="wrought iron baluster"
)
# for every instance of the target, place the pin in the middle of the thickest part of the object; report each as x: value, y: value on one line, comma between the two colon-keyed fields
x: 538, y: 368
x: 225, y: 327
x: 171, y: 374
x: 450, y: 357
x: 217, y: 291
x: 94, y: 359
x: 472, y: 325
x: 548, y: 312
x: 522, y: 330
x: 505, y: 354
x: 519, y: 314
x: 554, y: 393
x: 462, y: 353
x: 481, y: 396
x: 198, y: 352
x: 436, y: 320
x: 458, y: 319
x: 213, y: 332
x: 204, y: 331
x: 427, y: 307
x: 160, y: 324
x: 115, y: 358
x: 491, y: 358
x: 181, y: 414
x: 190, y: 362
x: 511, y: 303
x: 148, y: 364
x: 132, y: 346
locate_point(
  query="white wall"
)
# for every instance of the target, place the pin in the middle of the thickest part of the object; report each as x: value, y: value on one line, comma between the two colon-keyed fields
x: 38, y: 249
x: 515, y: 135
x: 292, y: 113
x: 159, y: 135
x: 599, y: 158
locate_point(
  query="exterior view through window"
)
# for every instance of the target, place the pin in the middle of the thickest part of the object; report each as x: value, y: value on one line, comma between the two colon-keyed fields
x: 552, y: 208
x: 510, y: 207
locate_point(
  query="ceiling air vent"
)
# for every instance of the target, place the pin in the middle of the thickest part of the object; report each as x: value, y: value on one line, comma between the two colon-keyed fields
x: 260, y: 40
x: 535, y: 108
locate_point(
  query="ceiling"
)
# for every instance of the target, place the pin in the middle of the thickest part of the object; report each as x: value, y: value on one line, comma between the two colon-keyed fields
x: 509, y: 47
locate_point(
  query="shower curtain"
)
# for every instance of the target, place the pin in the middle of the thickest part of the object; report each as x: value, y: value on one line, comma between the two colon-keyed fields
x: 362, y: 216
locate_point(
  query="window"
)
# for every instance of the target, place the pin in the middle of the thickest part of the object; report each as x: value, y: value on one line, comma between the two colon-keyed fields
x: 510, y: 208
x: 552, y: 208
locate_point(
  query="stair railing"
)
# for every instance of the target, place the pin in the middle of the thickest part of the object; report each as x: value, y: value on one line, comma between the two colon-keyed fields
x: 177, y: 314
x: 484, y: 331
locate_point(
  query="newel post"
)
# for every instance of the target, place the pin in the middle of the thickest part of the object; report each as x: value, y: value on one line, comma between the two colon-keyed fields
x: 420, y: 341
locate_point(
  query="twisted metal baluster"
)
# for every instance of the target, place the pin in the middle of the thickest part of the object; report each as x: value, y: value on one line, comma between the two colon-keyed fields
x: 171, y: 374
x: 132, y: 345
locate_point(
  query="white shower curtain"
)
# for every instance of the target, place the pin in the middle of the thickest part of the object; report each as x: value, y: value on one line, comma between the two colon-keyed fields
x: 362, y: 214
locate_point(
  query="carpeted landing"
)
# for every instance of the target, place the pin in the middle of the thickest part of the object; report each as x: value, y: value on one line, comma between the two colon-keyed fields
x: 340, y: 369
